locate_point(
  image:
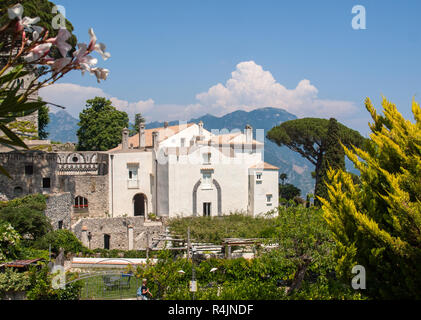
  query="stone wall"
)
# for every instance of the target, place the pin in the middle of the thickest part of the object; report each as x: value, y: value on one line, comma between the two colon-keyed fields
x: 25, y: 180
x: 59, y: 208
x: 118, y: 230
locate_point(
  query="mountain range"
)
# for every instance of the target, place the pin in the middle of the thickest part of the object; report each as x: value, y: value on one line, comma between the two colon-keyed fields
x: 63, y: 128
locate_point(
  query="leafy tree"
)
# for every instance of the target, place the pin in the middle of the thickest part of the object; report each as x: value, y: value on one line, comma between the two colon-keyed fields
x: 283, y: 178
x: 26, y: 216
x: 60, y: 239
x: 377, y: 222
x: 308, y: 137
x: 137, y: 121
x: 9, y: 241
x: 43, y: 121
x: 334, y: 158
x: 289, y: 191
x: 100, y: 125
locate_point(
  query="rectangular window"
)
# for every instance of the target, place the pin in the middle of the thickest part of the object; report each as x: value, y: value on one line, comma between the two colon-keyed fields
x: 60, y: 225
x: 207, y: 158
x: 46, y: 183
x: 29, y: 170
x: 269, y: 198
x: 207, y: 209
x: 207, y: 179
x: 133, y: 174
x: 183, y: 142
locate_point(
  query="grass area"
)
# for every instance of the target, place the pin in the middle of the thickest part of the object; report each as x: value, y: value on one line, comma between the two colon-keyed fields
x: 95, y: 288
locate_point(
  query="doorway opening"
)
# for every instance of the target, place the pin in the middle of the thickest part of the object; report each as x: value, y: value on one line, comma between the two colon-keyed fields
x: 140, y: 205
x: 207, y: 206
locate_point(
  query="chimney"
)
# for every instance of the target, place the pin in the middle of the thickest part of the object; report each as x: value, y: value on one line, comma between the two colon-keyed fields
x: 201, y: 129
x: 166, y: 124
x: 249, y: 134
x: 155, y: 139
x: 125, y: 139
x: 142, y: 136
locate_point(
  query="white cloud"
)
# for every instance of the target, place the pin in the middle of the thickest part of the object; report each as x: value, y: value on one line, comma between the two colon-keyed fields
x: 133, y: 107
x: 73, y: 97
x: 250, y: 87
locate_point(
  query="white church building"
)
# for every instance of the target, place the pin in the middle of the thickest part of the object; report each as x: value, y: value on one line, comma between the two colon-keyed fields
x: 185, y: 170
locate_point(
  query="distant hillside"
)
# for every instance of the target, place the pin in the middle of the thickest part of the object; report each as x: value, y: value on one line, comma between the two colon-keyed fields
x: 63, y: 127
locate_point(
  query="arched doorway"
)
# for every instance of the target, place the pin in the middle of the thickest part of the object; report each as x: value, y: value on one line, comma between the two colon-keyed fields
x: 140, y: 204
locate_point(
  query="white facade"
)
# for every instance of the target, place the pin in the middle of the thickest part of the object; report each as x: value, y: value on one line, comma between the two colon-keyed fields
x: 189, y: 171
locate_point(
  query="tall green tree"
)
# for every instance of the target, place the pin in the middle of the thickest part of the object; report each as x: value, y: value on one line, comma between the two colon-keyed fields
x: 377, y: 222
x: 100, y: 125
x: 289, y: 191
x: 138, y: 119
x: 43, y: 121
x: 308, y: 137
x: 334, y: 158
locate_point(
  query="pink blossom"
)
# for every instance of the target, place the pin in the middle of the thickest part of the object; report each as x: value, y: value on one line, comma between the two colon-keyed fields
x: 26, y: 23
x: 100, y: 73
x: 38, y: 52
x: 60, y: 64
x: 60, y: 41
x: 98, y: 47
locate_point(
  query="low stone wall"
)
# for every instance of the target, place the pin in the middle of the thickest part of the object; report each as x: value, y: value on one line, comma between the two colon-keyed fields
x: 59, y: 208
x: 117, y: 229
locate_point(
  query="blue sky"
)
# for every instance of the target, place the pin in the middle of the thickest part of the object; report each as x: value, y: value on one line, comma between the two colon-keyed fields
x: 166, y: 53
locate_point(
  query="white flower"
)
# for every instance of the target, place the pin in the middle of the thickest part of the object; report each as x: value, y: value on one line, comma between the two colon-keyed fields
x: 98, y: 47
x: 38, y: 52
x: 26, y: 23
x: 15, y: 12
x: 60, y: 64
x: 60, y: 41
x: 100, y: 73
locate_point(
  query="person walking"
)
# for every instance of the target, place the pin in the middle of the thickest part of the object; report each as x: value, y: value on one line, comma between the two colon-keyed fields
x: 143, y: 291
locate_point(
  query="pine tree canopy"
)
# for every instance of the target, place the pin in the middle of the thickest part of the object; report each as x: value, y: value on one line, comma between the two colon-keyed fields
x: 377, y: 223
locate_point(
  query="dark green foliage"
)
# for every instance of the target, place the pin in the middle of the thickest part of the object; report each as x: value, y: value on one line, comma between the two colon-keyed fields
x: 58, y: 239
x: 26, y: 215
x: 309, y: 138
x: 100, y: 125
x: 137, y: 121
x: 288, y: 191
x: 43, y: 121
x: 334, y: 158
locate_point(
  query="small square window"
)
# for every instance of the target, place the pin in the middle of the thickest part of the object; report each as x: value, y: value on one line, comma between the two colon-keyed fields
x: 207, y: 179
x: 29, y: 170
x: 269, y: 198
x: 183, y: 142
x: 46, y: 183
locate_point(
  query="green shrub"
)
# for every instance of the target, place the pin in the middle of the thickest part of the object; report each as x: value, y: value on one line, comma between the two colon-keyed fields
x: 13, y: 281
x: 26, y: 215
x: 60, y: 239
